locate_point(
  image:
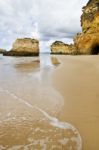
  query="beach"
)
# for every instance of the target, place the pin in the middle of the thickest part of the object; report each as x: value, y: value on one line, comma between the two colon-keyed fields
x: 49, y: 102
x: 77, y: 80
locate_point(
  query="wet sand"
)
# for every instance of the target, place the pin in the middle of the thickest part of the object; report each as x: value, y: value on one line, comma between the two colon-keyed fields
x: 30, y: 106
x: 77, y: 79
x: 49, y: 103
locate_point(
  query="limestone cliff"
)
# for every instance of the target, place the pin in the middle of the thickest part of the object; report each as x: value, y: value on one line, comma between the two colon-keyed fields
x: 87, y: 42
x: 24, y: 47
x: 59, y: 47
x: 90, y: 17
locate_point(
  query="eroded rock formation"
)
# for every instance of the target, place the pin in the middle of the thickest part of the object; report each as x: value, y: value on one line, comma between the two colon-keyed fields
x: 88, y: 41
x: 24, y: 47
x: 59, y: 47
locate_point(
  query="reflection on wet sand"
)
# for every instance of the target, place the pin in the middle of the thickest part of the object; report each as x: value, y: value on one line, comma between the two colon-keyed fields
x: 50, y: 131
x: 27, y: 107
x: 28, y: 66
x: 55, y: 61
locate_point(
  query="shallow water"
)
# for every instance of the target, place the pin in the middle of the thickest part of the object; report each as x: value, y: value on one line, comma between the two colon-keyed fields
x: 30, y: 106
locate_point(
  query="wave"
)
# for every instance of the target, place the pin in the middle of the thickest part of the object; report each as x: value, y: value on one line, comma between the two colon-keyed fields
x: 53, y: 121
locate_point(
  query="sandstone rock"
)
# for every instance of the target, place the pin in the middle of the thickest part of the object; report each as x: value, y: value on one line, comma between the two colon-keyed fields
x: 2, y: 51
x: 90, y: 17
x: 59, y: 47
x: 88, y: 41
x: 24, y: 47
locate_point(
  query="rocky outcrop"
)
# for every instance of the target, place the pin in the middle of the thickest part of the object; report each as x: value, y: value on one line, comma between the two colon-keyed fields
x: 59, y: 47
x: 2, y: 51
x: 87, y: 42
x: 24, y: 47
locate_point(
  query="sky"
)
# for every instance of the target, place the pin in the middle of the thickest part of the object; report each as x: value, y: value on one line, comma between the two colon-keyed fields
x: 46, y: 20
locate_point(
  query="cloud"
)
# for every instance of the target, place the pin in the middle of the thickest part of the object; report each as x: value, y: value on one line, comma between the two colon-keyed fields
x: 47, y: 20
x: 60, y: 18
x: 17, y: 19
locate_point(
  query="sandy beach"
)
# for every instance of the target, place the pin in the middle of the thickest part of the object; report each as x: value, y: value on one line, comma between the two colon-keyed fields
x: 47, y: 105
x: 77, y: 80
x: 49, y: 75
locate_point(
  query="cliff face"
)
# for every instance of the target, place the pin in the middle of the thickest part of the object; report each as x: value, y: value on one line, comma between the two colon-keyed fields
x: 24, y: 47
x: 90, y: 17
x: 59, y: 47
x: 88, y: 41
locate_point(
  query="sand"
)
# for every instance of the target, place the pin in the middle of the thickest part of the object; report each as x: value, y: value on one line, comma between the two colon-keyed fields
x: 77, y: 79
x: 49, y: 103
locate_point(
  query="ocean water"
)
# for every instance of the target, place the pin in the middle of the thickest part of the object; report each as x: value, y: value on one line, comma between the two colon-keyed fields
x: 30, y: 105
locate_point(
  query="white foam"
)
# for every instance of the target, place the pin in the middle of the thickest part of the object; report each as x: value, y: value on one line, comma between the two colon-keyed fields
x: 63, y: 141
x: 17, y: 147
x: 52, y: 120
x: 9, y: 114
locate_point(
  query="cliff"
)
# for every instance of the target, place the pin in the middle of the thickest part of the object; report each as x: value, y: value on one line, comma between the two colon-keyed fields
x: 59, y: 47
x: 87, y: 42
x: 24, y: 47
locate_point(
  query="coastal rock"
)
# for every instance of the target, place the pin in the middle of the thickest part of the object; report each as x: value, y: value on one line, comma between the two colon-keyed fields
x: 87, y: 42
x: 59, y: 47
x: 90, y: 17
x: 24, y: 47
x: 2, y: 51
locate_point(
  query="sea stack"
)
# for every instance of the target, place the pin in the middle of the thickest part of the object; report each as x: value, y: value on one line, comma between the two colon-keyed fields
x: 24, y: 47
x: 87, y: 42
x: 59, y: 47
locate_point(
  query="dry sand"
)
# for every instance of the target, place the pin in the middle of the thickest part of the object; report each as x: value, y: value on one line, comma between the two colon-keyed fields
x: 77, y: 79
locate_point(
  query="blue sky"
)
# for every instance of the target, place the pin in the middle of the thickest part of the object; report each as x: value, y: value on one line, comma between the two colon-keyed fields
x: 46, y: 20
